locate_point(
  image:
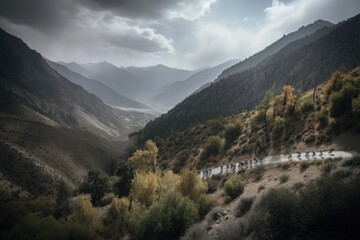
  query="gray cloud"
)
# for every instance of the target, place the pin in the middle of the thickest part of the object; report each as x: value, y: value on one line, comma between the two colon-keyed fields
x: 152, y: 9
x: 43, y: 15
x: 132, y: 8
x: 179, y: 33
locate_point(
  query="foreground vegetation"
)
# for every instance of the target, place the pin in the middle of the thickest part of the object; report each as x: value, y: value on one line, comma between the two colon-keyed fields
x: 137, y: 194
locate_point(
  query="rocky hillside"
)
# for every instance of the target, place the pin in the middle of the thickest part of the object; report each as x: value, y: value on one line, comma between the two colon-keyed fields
x: 324, y: 118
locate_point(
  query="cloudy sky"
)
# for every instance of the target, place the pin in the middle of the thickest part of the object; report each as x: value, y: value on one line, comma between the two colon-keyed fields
x: 180, y: 33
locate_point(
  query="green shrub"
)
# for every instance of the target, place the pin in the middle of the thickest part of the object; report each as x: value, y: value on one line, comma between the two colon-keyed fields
x: 353, y: 162
x: 324, y: 209
x: 244, y: 206
x: 212, y: 147
x: 212, y: 185
x: 205, y: 204
x: 285, y: 166
x: 327, y: 167
x: 234, y: 186
x: 323, y: 119
x: 173, y: 213
x: 284, y: 178
x: 341, y: 173
x: 107, y: 199
x: 258, y: 172
x: 306, y: 107
x: 231, y: 133
x: 279, y: 125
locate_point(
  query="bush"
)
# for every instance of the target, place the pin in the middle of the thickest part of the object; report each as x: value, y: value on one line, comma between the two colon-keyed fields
x: 278, y: 125
x: 233, y: 231
x: 353, y: 162
x: 327, y: 167
x: 190, y: 185
x: 306, y: 107
x: 231, y: 133
x: 341, y: 173
x: 234, y: 187
x: 107, y: 199
x: 214, y: 214
x: 98, y: 184
x: 323, y: 119
x: 324, y: 209
x: 205, y: 204
x: 258, y: 172
x: 212, y: 147
x: 116, y: 218
x: 144, y: 187
x: 196, y: 232
x: 285, y: 166
x: 212, y: 185
x: 303, y: 166
x: 244, y: 206
x: 309, y: 138
x: 270, y: 218
x: 173, y: 213
x: 284, y: 178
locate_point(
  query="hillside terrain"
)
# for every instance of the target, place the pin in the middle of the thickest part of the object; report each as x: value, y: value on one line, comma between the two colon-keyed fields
x: 231, y: 161
x: 171, y: 94
x: 52, y: 129
x: 275, y: 47
x: 105, y: 93
x: 308, y: 121
x: 301, y: 67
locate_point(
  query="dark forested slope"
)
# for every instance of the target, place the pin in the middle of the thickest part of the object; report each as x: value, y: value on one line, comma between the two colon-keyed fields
x: 302, y: 68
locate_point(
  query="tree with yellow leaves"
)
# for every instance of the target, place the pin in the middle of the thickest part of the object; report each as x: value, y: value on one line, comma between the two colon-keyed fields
x: 145, y: 160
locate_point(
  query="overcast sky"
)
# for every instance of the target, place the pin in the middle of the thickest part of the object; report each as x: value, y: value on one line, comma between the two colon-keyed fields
x: 184, y: 33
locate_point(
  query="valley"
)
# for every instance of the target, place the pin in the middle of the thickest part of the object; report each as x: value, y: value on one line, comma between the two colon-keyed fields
x: 99, y: 139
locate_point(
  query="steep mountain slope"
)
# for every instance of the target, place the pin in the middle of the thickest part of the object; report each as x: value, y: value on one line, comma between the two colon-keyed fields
x: 108, y: 95
x: 308, y: 122
x: 50, y: 128
x: 174, y: 93
x: 274, y: 48
x: 302, y: 67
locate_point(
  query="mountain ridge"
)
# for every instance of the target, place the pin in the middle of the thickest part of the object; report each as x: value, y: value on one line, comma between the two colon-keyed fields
x: 107, y: 94
x: 306, y: 66
x: 255, y: 59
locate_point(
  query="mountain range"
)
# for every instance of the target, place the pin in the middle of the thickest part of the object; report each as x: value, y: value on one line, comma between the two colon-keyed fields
x: 137, y: 83
x: 99, y: 89
x: 303, y: 63
x: 174, y: 93
x: 274, y: 48
x: 51, y: 128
